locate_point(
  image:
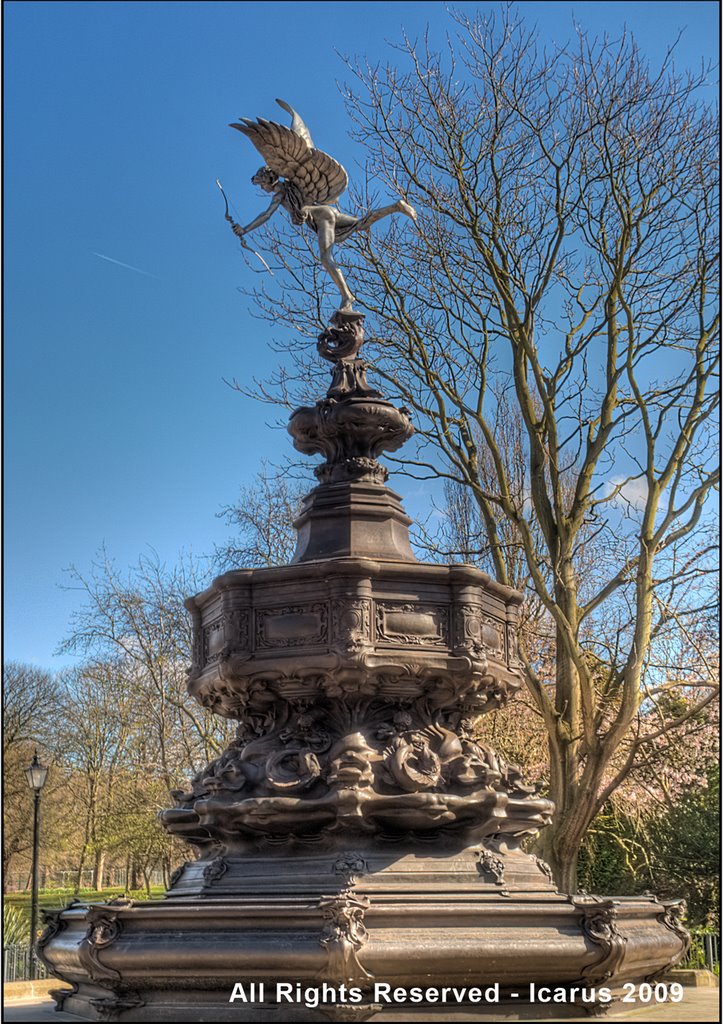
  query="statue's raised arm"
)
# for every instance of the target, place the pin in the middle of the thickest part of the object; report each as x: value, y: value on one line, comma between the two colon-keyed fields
x: 306, y: 182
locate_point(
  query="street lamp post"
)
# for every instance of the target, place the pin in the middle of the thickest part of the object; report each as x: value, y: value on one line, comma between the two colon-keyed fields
x: 36, y: 773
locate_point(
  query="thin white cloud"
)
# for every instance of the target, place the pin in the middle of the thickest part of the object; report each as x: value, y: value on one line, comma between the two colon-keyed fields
x: 632, y: 492
x: 126, y: 265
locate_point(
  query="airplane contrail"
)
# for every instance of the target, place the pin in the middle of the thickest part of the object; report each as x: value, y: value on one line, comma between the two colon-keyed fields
x: 126, y: 265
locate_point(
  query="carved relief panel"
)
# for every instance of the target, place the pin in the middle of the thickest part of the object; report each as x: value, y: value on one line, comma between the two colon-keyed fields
x: 293, y: 626
x: 493, y: 636
x: 422, y: 625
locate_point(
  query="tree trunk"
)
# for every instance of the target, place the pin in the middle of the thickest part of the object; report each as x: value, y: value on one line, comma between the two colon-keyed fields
x: 7, y: 858
x: 563, y: 838
x: 564, y: 869
x: 572, y: 802
x: 98, y: 869
x: 81, y: 868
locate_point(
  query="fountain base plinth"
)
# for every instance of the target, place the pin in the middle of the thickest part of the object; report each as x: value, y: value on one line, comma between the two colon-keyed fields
x: 351, y: 931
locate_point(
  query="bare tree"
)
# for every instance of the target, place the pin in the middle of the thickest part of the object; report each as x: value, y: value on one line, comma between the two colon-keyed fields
x: 30, y: 698
x: 95, y: 725
x: 263, y: 516
x: 29, y: 694
x: 137, y: 621
x: 567, y: 243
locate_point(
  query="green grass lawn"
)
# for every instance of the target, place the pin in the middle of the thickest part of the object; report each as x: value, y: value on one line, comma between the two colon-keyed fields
x: 56, y: 899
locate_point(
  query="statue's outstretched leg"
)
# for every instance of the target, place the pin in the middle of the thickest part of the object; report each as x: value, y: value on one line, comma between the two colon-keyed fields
x: 365, y: 222
x: 334, y: 271
x: 325, y: 229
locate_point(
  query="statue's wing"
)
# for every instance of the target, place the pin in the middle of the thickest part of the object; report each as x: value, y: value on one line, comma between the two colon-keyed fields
x: 318, y: 176
x: 297, y: 123
x: 321, y: 179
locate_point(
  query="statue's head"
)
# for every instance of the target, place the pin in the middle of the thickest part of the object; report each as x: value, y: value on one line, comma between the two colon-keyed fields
x: 265, y: 178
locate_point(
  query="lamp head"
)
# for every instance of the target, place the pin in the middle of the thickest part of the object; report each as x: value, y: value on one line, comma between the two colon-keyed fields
x: 36, y: 773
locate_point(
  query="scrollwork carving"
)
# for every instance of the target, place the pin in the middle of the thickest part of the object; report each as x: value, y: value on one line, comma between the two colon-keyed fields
x: 215, y: 870
x: 492, y: 865
x: 513, y: 653
x: 213, y: 642
x: 53, y: 926
x: 351, y: 623
x: 671, y: 917
x: 599, y: 925
x: 103, y: 930
x: 238, y: 628
x: 343, y: 936
x: 468, y: 629
x: 177, y: 874
x: 544, y: 868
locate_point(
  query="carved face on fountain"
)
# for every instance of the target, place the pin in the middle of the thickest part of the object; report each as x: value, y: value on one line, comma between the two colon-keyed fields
x: 350, y: 766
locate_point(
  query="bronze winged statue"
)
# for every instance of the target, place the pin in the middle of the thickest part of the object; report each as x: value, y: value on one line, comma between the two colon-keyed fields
x: 307, y: 183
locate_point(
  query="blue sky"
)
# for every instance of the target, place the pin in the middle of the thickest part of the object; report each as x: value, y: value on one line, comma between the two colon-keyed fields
x: 119, y: 429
